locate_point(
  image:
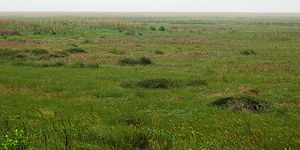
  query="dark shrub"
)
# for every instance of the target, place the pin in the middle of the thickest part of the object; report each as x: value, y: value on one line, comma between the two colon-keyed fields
x: 157, y: 84
x: 152, y: 28
x: 161, y: 28
x: 75, y: 50
x: 248, y: 52
x: 241, y: 103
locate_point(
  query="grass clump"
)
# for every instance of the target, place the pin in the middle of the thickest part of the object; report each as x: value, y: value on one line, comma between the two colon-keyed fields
x: 59, y: 54
x: 241, y: 103
x: 131, y: 121
x: 9, y: 32
x: 139, y: 61
x: 84, y: 65
x: 75, y: 50
x: 10, y: 54
x: 52, y: 64
x: 159, y: 52
x: 4, y: 53
x: 157, y: 84
x: 197, y: 82
x: 91, y: 65
x: 116, y: 51
x: 248, y: 52
x: 39, y: 51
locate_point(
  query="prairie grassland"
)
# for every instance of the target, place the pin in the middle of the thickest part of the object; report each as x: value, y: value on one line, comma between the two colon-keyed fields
x: 115, y: 81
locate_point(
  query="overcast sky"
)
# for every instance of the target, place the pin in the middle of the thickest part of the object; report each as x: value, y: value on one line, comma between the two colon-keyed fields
x: 153, y: 5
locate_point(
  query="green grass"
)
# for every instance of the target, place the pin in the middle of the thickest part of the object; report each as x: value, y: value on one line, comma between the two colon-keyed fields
x: 61, y: 82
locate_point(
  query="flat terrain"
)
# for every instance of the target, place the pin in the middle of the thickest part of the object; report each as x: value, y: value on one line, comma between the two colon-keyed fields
x: 150, y: 81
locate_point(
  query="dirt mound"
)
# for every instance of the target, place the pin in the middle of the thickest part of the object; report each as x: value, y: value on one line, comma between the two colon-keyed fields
x: 241, y: 103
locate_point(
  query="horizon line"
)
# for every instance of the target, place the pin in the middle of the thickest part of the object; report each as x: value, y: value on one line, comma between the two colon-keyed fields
x: 84, y: 11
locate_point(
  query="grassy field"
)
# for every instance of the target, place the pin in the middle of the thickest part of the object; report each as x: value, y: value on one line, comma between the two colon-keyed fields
x: 149, y: 81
